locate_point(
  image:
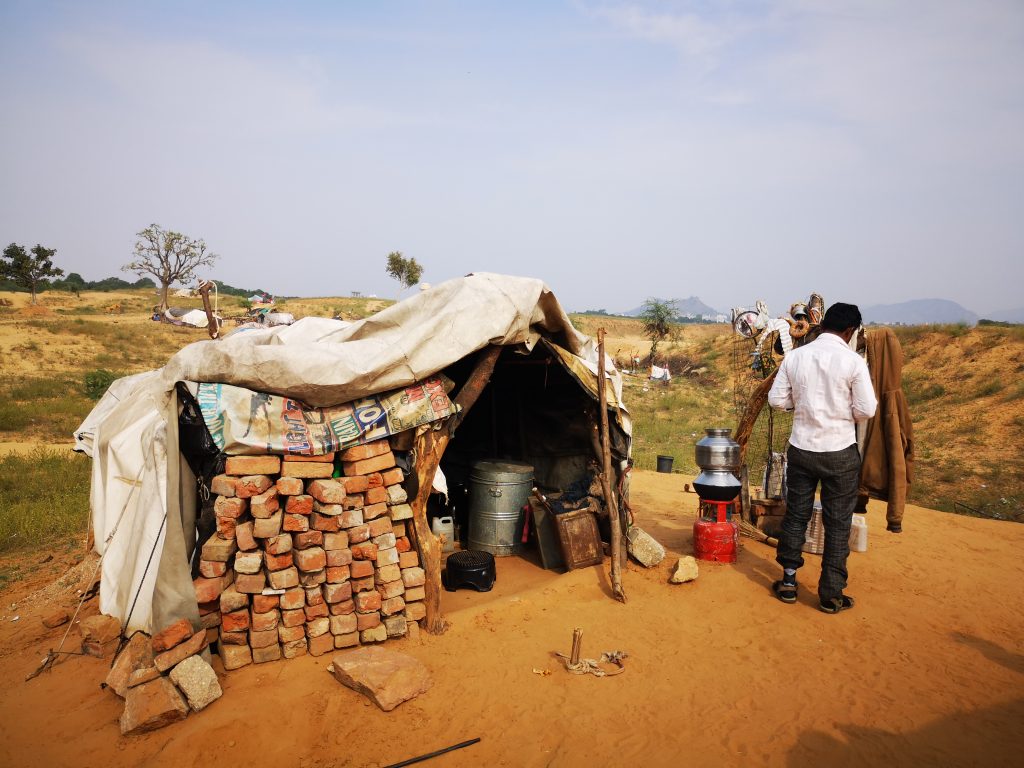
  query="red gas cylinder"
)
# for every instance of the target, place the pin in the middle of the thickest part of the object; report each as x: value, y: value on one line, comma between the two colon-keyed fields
x: 714, y: 537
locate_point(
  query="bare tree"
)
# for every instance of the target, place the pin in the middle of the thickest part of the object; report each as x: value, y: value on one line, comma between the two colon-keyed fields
x: 169, y: 256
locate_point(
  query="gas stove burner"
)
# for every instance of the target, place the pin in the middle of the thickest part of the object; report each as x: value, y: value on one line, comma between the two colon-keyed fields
x: 469, y: 568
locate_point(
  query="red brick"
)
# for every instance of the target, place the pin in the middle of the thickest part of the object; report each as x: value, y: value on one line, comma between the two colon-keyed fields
x: 393, y: 476
x: 307, y: 469
x: 353, y: 501
x: 403, y: 545
x: 236, y: 621
x: 263, y: 638
x: 290, y: 486
x: 366, y: 466
x: 322, y: 644
x: 243, y: 535
x: 248, y: 562
x: 312, y: 578
x: 366, y: 451
x: 376, y: 496
x: 415, y: 593
x: 386, y: 573
x: 208, y: 589
x: 386, y: 541
x: 264, y: 603
x: 315, y: 611
x: 168, y: 637
x: 180, y: 652
x: 337, y: 574
x: 211, y: 607
x: 252, y: 465
x: 344, y: 624
x: 231, y: 600
x: 268, y: 620
x: 374, y: 510
x: 346, y: 641
x: 364, y: 551
x: 226, y: 527
x: 355, y: 484
x: 361, y: 568
x: 362, y: 585
x: 408, y: 559
x: 295, y: 523
x: 278, y: 545
x: 322, y: 458
x: 268, y: 528
x: 283, y: 579
x: 376, y: 634
x: 400, y: 512
x: 235, y: 656
x: 391, y: 606
x: 288, y: 633
x: 299, y: 505
x: 386, y: 555
x: 279, y: 562
x: 265, y: 504
x: 265, y: 654
x: 318, y: 626
x: 337, y: 557
x: 314, y: 596
x: 343, y: 608
x: 396, y: 494
x: 350, y: 518
x: 375, y: 480
x: 294, y: 649
x: 234, y: 638
x: 415, y: 611
x: 212, y: 569
x: 336, y: 540
x: 336, y: 593
x: 325, y: 523
x: 212, y: 633
x: 327, y: 491
x: 367, y: 601
x: 223, y: 485
x: 367, y: 620
x: 251, y: 583
x: 358, y: 533
x: 293, y: 598
x: 380, y: 526
x: 308, y: 539
x: 294, y: 618
x: 413, y: 577
x: 391, y: 589
x: 229, y: 506
x: 398, y: 529
x: 252, y: 485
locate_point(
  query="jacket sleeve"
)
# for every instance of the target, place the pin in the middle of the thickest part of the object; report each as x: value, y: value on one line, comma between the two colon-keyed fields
x: 862, y: 393
x: 781, y: 394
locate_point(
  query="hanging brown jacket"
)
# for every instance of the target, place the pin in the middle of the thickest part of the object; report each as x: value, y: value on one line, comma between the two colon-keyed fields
x: 888, y: 458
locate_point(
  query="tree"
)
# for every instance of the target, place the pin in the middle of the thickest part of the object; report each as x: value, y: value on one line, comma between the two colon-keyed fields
x: 28, y: 271
x: 170, y: 257
x: 657, y: 317
x: 405, y: 270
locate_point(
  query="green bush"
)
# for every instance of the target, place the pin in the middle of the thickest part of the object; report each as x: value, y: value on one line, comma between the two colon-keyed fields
x: 98, y: 382
x: 44, y: 496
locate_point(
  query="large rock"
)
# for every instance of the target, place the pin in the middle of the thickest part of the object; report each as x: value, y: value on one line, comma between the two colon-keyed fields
x: 686, y: 570
x: 643, y: 548
x: 197, y: 680
x: 152, y: 705
x: 387, y: 678
x: 137, y: 654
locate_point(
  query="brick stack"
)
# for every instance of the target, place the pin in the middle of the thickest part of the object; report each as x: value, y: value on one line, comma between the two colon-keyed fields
x: 303, y: 562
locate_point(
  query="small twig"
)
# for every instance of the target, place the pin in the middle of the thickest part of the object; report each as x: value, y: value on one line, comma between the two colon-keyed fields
x: 429, y: 755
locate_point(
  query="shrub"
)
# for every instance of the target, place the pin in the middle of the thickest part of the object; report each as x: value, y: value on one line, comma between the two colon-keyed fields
x: 98, y: 382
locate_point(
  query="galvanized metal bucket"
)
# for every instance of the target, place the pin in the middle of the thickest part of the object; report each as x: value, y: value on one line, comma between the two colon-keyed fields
x: 498, y: 490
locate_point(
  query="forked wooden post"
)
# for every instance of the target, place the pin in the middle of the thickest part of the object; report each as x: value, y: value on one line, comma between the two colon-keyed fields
x: 606, y: 475
x: 430, y: 447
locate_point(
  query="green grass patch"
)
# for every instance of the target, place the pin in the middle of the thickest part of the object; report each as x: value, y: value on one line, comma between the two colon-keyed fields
x: 49, y: 408
x: 44, y: 496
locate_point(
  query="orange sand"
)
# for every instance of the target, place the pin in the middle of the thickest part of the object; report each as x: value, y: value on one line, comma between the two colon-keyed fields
x: 927, y: 669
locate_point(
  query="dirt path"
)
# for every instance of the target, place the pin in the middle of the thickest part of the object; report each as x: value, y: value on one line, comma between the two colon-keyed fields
x: 928, y: 669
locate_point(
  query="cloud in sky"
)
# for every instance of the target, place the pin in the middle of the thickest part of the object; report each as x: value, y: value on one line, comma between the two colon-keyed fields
x: 871, y: 151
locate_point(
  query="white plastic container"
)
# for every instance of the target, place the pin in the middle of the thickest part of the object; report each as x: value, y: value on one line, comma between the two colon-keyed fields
x: 444, y: 529
x: 859, y: 534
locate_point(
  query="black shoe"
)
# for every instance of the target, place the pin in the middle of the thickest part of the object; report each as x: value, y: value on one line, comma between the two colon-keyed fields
x: 785, y: 592
x: 894, y: 528
x: 836, y: 604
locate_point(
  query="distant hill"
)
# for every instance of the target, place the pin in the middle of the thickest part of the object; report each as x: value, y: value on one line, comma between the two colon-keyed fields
x: 688, y: 308
x: 1006, y: 315
x: 920, y: 312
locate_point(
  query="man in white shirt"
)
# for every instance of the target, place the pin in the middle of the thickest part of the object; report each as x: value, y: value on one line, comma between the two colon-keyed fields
x: 827, y: 386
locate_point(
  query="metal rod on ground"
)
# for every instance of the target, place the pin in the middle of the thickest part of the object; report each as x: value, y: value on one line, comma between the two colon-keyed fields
x: 606, y: 474
x: 577, y: 646
x: 429, y: 755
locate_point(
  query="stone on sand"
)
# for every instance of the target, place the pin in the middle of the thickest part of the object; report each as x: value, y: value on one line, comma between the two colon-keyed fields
x: 386, y: 677
x: 643, y: 547
x: 197, y: 680
x: 686, y: 570
x: 152, y: 705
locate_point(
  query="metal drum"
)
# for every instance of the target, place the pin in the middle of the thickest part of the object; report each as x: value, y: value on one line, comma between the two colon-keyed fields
x: 498, y: 491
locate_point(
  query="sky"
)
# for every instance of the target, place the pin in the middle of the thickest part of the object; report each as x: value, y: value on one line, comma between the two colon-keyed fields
x: 869, y: 150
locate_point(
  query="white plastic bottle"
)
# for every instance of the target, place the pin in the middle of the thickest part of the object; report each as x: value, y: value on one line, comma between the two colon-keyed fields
x: 859, y: 534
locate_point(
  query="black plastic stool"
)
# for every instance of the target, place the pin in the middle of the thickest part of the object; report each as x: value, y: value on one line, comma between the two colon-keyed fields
x: 469, y: 568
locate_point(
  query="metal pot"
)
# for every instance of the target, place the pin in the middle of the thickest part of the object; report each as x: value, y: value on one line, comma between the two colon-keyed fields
x: 718, y: 457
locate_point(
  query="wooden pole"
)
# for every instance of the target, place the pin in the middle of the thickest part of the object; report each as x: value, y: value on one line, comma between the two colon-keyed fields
x: 606, y: 475
x: 430, y: 447
x: 757, y: 400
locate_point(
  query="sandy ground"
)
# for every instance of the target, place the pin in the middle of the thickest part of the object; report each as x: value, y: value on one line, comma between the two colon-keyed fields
x: 927, y: 669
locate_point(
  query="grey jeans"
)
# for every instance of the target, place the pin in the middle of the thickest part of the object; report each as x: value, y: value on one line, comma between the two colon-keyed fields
x: 839, y: 475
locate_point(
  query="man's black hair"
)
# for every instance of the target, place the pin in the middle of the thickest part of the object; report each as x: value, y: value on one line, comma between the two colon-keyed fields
x: 841, y: 316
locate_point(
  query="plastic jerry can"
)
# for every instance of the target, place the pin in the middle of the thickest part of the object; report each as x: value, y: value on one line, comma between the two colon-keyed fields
x: 444, y: 529
x: 859, y: 534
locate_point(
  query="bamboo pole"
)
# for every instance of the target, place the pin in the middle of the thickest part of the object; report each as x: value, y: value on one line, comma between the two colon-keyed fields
x: 606, y: 474
x: 430, y: 447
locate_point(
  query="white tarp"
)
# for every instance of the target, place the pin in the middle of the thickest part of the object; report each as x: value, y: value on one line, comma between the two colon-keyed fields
x: 140, y: 483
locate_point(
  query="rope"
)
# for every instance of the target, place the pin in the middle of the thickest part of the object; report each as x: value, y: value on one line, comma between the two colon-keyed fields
x: 593, y: 666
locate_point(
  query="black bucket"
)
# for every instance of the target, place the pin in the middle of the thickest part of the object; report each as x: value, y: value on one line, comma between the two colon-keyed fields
x: 665, y: 464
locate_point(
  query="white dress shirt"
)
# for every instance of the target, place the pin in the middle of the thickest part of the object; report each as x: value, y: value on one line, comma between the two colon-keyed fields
x: 827, y: 386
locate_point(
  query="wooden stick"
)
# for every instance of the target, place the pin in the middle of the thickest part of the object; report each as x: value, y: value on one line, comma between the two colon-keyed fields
x: 430, y: 447
x: 613, y: 506
x: 577, y: 646
x: 758, y: 398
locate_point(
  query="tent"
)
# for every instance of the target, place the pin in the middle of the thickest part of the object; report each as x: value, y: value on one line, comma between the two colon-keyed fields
x: 539, y: 405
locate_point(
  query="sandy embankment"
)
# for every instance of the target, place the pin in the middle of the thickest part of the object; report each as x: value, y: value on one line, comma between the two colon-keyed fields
x: 928, y: 669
